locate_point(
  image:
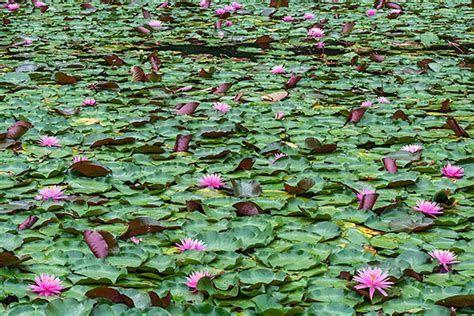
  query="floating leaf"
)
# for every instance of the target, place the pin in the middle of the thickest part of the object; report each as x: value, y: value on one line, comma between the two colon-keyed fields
x: 247, y: 208
x: 111, y: 294
x: 63, y: 78
x: 144, y: 225
x: 275, y: 96
x: 89, y: 169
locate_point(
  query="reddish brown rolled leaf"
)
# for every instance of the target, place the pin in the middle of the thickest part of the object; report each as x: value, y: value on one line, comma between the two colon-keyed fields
x: 458, y: 130
x: 163, y: 302
x: 18, y: 129
x: 247, y: 208
x: 264, y: 41
x: 393, y: 5
x: 155, y: 62
x: 390, y: 165
x: 89, y: 169
x: 182, y: 143
x: 144, y: 225
x: 291, y: 83
x: 278, y: 3
x: 30, y: 221
x: 63, y: 78
x: 445, y: 106
x: 96, y: 243
x: 368, y: 201
x: 111, y: 294
x: 112, y: 141
x: 315, y: 146
x: 107, y: 85
x: 301, y: 187
x: 460, y: 301
x: 194, y: 205
x: 345, y: 275
x: 239, y: 96
x: 87, y: 6
x: 423, y: 64
x: 400, y: 115
x: 355, y: 115
x: 377, y: 58
x: 138, y: 75
x: 206, y: 73
x: 222, y: 89
x: 187, y: 108
x: 8, y: 259
x: 379, y: 4
x: 275, y: 96
x: 166, y: 4
x: 348, y: 27
x: 146, y: 14
x: 413, y: 274
x: 113, y: 60
x: 245, y: 164
x: 142, y: 30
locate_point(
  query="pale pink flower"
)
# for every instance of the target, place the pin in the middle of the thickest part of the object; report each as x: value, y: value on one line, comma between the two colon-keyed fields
x: 429, y: 208
x: 221, y: 106
x: 315, y: 32
x: 136, y: 240
x: 211, y: 181
x: 412, y: 148
x: 383, y: 100
x: 320, y: 45
x: 49, y: 141
x: 278, y: 157
x: 364, y: 191
x: 79, y: 158
x: 444, y: 258
x: 39, y: 4
x: 371, y: 12
x: 452, y: 171
x: 221, y: 34
x: 228, y: 23
x: 193, y: 279
x: 12, y: 6
x: 236, y: 6
x: 46, y: 285
x: 367, y: 103
x: 54, y: 192
x: 395, y: 11
x: 279, y: 115
x: 229, y: 8
x: 288, y: 18
x: 278, y: 70
x: 308, y: 16
x: 155, y: 24
x: 220, y: 11
x: 204, y: 3
x: 89, y: 102
x: 190, y: 244
x: 374, y: 279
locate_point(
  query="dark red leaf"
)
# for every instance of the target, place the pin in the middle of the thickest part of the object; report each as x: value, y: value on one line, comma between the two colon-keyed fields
x: 89, y: 169
x: 146, y: 14
x: 445, y: 106
x: 155, y: 62
x: 315, y: 146
x: 182, y: 143
x: 278, y: 3
x: 107, y: 85
x: 345, y: 275
x: 18, y: 129
x: 393, y: 5
x: 112, y: 141
x: 142, y: 30
x: 113, y: 60
x: 247, y: 208
x: 8, y: 259
x: 347, y: 28
x: 111, y: 294
x: 222, y: 89
x: 413, y: 274
x: 30, y: 221
x: 356, y: 115
x: 187, y: 109
x: 194, y: 205
x: 368, y: 201
x: 144, y: 225
x: 461, y: 301
x: 400, y: 115
x: 458, y: 130
x: 245, y: 164
x: 163, y: 302
x: 301, y: 187
x: 379, y: 4
x: 377, y: 58
x: 96, y: 243
x: 63, y: 78
x: 138, y: 75
x: 238, y: 96
x: 291, y: 83
x: 264, y: 41
x: 88, y: 6
x: 390, y: 165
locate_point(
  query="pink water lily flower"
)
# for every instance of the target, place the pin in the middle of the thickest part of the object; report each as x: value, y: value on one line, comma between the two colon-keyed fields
x: 211, y: 181
x: 79, y: 158
x: 374, y: 279
x: 308, y: 16
x: 444, y: 258
x: 315, y: 32
x: 412, y: 148
x: 452, y: 171
x: 49, y: 141
x: 89, y: 102
x: 155, y: 24
x: 371, y: 12
x: 190, y: 244
x: 12, y: 6
x: 320, y: 45
x: 429, y: 208
x: 236, y: 6
x: 278, y: 157
x: 364, y: 191
x: 367, y: 103
x: 54, y: 192
x: 383, y: 100
x: 221, y: 34
x: 39, y: 4
x: 136, y: 240
x: 280, y: 69
x: 46, y: 285
x: 193, y: 279
x: 221, y: 106
x: 288, y: 18
x: 221, y: 11
x: 279, y: 115
x: 228, y: 23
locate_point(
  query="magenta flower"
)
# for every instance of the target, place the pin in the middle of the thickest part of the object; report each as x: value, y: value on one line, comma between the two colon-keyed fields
x: 320, y: 45
x: 39, y: 4
x: 444, y: 258
x: 367, y: 103
x: 371, y: 12
x: 89, y: 102
x: 54, y: 192
x: 221, y: 106
x: 452, y: 171
x: 12, y: 6
x: 365, y: 191
x: 278, y: 157
x: 278, y: 70
x: 155, y: 24
x: 136, y: 240
x: 308, y: 16
x: 412, y: 148
x: 288, y: 18
x: 190, y: 244
x: 229, y: 8
x: 228, y: 23
x: 374, y: 279
x: 79, y: 158
x: 220, y: 11
x: 211, y: 181
x: 236, y: 6
x: 46, y: 285
x: 279, y: 115
x: 193, y: 279
x: 429, y: 208
x: 49, y: 141
x: 221, y: 34
x: 315, y: 32
x: 383, y: 100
